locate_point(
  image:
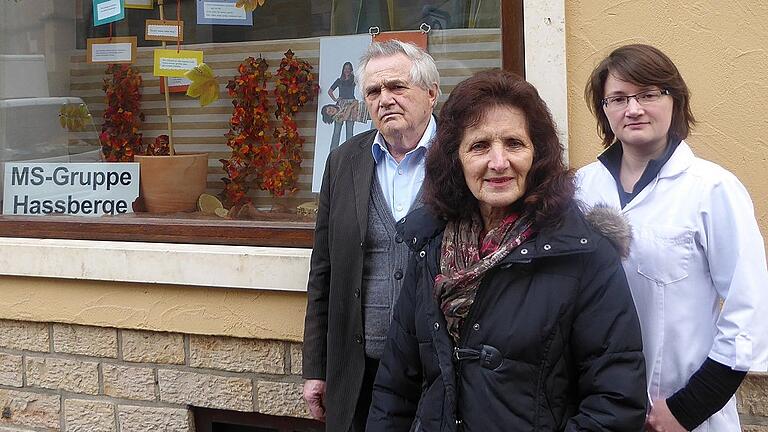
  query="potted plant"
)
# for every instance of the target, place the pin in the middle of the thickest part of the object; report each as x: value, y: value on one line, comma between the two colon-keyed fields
x: 172, y: 182
x: 168, y: 182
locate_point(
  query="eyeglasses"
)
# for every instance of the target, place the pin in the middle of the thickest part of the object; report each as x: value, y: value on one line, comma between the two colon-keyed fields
x: 616, y: 103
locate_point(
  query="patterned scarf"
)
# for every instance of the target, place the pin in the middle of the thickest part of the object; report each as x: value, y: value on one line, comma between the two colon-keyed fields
x: 464, y: 261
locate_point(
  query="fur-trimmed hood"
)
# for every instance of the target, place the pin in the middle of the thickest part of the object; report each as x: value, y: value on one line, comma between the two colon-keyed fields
x: 612, y: 225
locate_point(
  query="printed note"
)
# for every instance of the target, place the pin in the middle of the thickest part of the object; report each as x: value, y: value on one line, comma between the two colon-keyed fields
x: 172, y: 63
x: 107, y: 11
x: 139, y: 4
x: 164, y: 30
x: 119, y: 49
x: 219, y: 11
x: 222, y: 12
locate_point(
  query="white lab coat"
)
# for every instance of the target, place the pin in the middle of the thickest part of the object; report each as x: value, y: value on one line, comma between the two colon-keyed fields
x: 695, y: 243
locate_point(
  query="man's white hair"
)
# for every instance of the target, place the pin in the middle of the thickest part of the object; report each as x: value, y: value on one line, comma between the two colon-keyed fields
x: 423, y: 71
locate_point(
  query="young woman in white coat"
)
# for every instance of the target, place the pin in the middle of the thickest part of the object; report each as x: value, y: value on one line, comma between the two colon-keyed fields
x: 697, y: 267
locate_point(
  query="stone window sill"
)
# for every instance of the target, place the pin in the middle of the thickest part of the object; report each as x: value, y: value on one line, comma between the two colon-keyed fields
x: 247, y: 267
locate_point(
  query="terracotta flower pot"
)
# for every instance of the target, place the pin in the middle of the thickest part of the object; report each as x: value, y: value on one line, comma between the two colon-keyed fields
x: 171, y: 184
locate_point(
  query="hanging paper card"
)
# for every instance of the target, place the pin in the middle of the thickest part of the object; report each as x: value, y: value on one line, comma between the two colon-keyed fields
x: 118, y: 49
x: 139, y: 4
x: 172, y: 63
x: 164, y: 30
x: 222, y: 12
x: 175, y: 84
x: 418, y: 38
x: 107, y: 11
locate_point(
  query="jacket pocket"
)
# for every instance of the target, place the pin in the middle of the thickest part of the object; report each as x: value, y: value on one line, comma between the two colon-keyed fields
x: 662, y: 253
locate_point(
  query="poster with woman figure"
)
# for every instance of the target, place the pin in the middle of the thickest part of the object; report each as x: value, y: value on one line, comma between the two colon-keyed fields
x: 340, y: 103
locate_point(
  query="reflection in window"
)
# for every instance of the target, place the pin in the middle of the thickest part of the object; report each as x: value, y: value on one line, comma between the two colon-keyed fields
x: 357, y: 16
x: 307, y: 19
x: 465, y: 38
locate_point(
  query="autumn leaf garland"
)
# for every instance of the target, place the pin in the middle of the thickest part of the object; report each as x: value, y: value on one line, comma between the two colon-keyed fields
x: 274, y: 166
x: 120, y: 137
x: 295, y: 87
x: 246, y: 136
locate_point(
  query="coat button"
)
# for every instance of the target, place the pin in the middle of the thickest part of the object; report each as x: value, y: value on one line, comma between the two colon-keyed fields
x: 422, y: 254
x: 436, y: 326
x: 362, y: 245
x: 357, y: 292
x: 358, y: 338
x: 398, y: 274
x: 583, y: 241
x: 476, y: 327
x: 547, y: 247
x: 523, y: 251
x: 398, y: 239
x: 415, y: 240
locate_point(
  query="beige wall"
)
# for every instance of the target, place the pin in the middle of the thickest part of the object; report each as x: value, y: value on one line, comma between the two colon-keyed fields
x: 257, y: 314
x: 720, y: 48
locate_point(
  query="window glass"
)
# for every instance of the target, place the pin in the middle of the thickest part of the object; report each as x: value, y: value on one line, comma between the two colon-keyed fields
x: 53, y: 102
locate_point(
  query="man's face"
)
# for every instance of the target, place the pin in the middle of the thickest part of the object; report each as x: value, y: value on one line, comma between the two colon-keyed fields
x: 399, y: 108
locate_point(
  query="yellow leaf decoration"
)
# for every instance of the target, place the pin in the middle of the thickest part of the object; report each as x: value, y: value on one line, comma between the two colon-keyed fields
x: 250, y: 5
x: 74, y: 117
x: 203, y: 85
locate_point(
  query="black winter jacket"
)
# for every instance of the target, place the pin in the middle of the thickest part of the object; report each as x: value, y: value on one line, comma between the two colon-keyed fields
x: 551, y: 343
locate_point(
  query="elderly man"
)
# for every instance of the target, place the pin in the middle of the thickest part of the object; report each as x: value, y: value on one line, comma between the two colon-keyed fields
x: 358, y: 262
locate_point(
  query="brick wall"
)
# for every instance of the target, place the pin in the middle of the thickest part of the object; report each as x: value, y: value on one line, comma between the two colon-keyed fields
x: 753, y: 403
x: 59, y: 377
x: 70, y: 378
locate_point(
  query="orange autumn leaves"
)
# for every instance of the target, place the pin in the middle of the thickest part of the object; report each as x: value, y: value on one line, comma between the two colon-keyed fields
x: 246, y: 137
x: 296, y: 85
x: 120, y: 137
x: 272, y: 164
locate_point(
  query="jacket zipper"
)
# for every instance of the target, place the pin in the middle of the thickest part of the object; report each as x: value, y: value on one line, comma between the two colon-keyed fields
x: 463, y: 330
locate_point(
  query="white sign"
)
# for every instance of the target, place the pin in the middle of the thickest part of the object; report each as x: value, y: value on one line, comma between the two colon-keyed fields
x: 114, y: 52
x: 164, y: 30
x: 178, y: 81
x: 142, y: 4
x: 220, y: 10
x: 108, y: 9
x: 169, y: 63
x: 82, y: 189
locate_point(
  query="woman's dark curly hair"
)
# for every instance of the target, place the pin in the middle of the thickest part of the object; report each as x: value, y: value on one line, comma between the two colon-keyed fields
x: 549, y: 184
x: 325, y: 112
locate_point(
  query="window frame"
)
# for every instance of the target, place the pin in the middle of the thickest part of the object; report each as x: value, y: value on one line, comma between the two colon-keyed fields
x: 170, y: 229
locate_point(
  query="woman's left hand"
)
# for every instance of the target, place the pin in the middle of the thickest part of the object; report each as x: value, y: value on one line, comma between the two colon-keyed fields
x: 660, y: 419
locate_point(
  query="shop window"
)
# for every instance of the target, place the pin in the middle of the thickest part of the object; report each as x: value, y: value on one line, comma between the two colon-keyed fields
x: 52, y: 101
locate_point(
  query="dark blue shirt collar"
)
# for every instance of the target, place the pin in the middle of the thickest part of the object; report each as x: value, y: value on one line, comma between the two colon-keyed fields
x: 611, y: 159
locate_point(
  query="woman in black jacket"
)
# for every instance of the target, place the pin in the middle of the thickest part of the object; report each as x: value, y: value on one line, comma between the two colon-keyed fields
x: 515, y: 314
